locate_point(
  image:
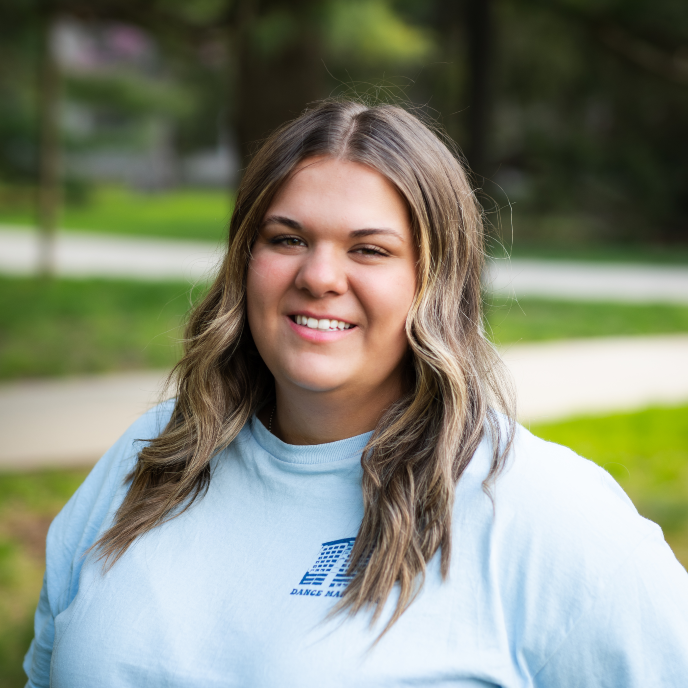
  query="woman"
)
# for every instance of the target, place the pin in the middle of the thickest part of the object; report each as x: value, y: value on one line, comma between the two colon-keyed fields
x: 333, y: 497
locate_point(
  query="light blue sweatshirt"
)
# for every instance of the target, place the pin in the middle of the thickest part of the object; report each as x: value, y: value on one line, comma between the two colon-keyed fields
x: 563, y: 584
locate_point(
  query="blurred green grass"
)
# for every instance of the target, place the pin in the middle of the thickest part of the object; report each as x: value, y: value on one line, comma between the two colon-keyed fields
x: 647, y: 452
x: 28, y: 503
x: 201, y: 215
x: 531, y: 319
x: 65, y: 327
x: 657, y: 254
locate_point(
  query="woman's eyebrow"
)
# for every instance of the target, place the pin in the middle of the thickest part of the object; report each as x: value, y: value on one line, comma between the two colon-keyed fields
x: 356, y: 233
x: 376, y: 230
x: 281, y: 220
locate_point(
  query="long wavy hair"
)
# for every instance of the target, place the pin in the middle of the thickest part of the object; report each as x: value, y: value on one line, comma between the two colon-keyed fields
x: 458, y: 390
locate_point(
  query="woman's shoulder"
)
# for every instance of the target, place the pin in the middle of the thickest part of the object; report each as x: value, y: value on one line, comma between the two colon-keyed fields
x: 549, y: 490
x: 564, y: 552
x: 552, y: 511
x: 548, y: 479
x: 110, y: 471
x: 83, y: 518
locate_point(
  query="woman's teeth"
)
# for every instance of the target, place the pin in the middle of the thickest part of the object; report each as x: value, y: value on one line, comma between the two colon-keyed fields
x: 323, y: 324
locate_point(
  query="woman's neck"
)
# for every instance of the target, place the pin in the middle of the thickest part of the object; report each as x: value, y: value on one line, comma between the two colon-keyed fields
x: 305, y: 417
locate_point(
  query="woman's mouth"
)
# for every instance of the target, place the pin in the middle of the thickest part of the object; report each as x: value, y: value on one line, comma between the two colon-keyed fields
x: 322, y: 324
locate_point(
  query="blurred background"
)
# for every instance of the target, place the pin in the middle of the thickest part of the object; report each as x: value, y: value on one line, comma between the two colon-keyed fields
x: 124, y: 129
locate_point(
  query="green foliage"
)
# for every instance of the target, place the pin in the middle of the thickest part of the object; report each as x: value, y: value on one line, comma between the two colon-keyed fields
x: 198, y: 12
x: 370, y: 31
x: 275, y: 30
x: 18, y: 120
x: 586, y: 124
x: 182, y: 214
x: 131, y: 93
x: 589, y: 98
x: 69, y: 326
x: 543, y: 319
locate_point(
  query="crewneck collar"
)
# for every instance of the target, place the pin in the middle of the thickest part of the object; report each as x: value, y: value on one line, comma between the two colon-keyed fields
x: 351, y: 447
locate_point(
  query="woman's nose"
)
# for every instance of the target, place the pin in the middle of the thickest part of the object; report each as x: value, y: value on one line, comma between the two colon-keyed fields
x: 322, y: 273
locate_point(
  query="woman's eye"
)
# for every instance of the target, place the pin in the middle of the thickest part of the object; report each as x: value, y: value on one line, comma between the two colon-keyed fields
x: 370, y: 251
x: 288, y: 241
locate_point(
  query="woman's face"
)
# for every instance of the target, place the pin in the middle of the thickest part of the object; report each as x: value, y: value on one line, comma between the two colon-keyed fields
x: 331, y: 281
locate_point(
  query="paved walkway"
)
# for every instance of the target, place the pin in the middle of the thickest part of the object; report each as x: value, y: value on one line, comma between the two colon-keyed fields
x: 556, y: 380
x: 72, y: 422
x: 81, y: 254
x: 588, y: 281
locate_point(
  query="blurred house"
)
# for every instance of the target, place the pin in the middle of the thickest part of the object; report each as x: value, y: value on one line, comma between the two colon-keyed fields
x: 120, y: 110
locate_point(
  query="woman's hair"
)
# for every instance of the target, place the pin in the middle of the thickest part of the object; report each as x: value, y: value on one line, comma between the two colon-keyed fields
x: 424, y: 441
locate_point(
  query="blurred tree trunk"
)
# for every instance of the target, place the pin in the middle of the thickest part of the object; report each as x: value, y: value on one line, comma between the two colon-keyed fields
x: 449, y: 86
x: 49, y: 147
x: 479, y: 25
x: 274, y: 83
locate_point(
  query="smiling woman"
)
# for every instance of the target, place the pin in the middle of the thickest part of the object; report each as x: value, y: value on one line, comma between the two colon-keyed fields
x: 339, y: 494
x: 347, y: 257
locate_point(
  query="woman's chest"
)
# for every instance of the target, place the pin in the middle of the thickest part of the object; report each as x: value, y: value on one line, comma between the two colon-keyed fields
x: 226, y: 607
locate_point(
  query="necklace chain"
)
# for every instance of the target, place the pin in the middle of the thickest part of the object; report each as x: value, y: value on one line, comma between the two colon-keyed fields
x: 272, y: 415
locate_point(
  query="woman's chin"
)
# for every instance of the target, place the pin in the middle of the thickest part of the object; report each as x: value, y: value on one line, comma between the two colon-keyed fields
x: 312, y: 376
x: 318, y: 383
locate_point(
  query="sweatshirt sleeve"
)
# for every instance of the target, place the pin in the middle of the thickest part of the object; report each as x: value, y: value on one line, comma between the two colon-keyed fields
x: 76, y: 528
x: 635, y: 634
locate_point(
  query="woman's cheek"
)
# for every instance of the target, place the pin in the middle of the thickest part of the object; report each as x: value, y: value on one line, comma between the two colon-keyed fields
x: 268, y: 279
x: 391, y: 298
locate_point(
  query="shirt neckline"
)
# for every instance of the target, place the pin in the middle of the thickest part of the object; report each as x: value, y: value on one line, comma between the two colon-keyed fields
x: 348, y: 448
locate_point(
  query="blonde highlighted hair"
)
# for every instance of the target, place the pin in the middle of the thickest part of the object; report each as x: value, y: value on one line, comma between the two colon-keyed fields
x: 424, y: 441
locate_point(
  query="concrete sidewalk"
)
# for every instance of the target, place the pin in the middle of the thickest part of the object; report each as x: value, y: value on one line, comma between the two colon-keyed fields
x: 73, y: 421
x: 556, y: 380
x: 80, y: 254
x: 587, y: 281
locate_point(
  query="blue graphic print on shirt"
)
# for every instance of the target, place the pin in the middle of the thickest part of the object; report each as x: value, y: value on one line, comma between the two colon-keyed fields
x: 330, y: 571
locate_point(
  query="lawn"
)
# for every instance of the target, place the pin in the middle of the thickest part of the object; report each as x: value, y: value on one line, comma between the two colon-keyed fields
x: 65, y: 327
x: 179, y: 214
x: 659, y: 254
x: 88, y: 326
x: 531, y: 319
x: 647, y: 452
x: 28, y: 502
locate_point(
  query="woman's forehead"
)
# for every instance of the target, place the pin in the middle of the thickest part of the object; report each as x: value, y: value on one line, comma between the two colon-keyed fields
x: 332, y: 190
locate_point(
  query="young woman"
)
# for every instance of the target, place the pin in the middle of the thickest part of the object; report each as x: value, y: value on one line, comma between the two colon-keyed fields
x: 337, y: 496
